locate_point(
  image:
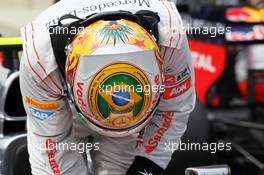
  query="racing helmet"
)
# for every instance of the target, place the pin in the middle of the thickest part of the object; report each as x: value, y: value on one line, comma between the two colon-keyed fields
x: 114, y: 76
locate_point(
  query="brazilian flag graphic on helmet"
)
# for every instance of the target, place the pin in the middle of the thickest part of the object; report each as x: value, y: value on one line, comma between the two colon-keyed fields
x: 111, y: 69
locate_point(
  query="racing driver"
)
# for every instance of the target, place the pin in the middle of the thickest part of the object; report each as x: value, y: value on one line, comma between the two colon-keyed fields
x: 91, y: 99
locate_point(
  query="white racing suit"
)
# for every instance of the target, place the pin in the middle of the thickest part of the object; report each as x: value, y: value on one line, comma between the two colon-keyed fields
x: 51, y: 120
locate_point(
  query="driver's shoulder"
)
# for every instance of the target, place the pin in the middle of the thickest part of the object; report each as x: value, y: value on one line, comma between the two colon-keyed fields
x: 37, y: 51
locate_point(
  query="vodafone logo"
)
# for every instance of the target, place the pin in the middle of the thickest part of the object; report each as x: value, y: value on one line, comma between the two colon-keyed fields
x: 203, y: 62
x: 79, y: 93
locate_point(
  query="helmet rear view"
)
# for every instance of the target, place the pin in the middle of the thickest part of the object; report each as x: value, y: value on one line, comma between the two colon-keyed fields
x: 114, y: 74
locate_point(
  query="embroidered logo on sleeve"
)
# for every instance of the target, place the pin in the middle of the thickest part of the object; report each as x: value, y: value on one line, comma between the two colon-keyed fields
x: 178, y: 78
x: 177, y: 90
x: 178, y: 84
x: 41, y: 110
